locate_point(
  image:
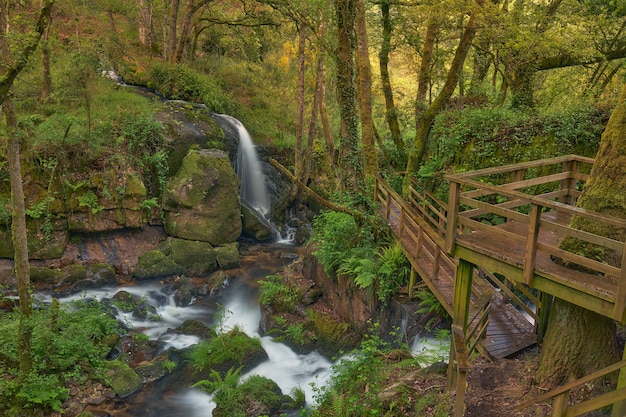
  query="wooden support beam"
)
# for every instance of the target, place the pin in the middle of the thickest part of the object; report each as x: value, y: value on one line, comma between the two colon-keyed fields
x: 462, y: 293
x: 531, y: 244
x: 619, y: 314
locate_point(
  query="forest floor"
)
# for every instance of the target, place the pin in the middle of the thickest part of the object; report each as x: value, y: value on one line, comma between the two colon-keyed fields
x: 496, y: 388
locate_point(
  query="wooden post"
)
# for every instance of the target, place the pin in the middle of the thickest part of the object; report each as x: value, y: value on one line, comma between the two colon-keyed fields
x: 531, y: 244
x: 376, y: 185
x: 453, y: 212
x: 462, y: 293
x: 560, y: 404
x: 402, y: 220
x: 542, y: 317
x: 411, y: 281
x: 619, y: 408
x: 619, y: 313
x: 569, y: 183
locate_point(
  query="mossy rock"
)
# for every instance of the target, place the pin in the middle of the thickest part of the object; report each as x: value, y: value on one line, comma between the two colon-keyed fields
x: 195, y: 328
x: 43, y: 275
x: 227, y: 256
x: 123, y: 380
x: 256, y: 396
x: 155, y: 265
x: 155, y: 369
x: 201, y: 202
x: 44, y: 241
x: 196, y: 257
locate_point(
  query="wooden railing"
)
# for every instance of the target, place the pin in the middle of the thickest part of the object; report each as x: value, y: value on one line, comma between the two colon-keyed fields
x: 458, y: 368
x: 560, y: 396
x: 481, y: 200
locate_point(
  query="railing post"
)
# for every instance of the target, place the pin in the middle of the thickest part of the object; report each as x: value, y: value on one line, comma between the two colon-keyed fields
x: 531, y: 244
x: 388, y: 205
x: 453, y: 212
x: 402, y: 220
x: 376, y: 185
x: 411, y: 281
x: 619, y: 408
x: 569, y: 183
x: 619, y: 313
x: 560, y: 404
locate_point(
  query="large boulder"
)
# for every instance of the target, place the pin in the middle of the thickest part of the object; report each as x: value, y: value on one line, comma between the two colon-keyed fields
x: 201, y: 202
x: 196, y: 257
x: 254, y: 225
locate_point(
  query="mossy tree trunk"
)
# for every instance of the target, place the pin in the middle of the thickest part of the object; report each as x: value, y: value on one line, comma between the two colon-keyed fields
x: 579, y: 341
x: 391, y: 112
x: 350, y: 163
x: 365, y: 94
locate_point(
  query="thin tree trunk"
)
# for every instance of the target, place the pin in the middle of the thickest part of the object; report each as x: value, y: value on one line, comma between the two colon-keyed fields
x: 328, y: 135
x: 46, y: 85
x: 172, y: 30
x: 391, y: 112
x: 317, y: 99
x: 365, y: 94
x: 425, y: 123
x: 423, y: 78
x: 20, y: 245
x: 298, y: 162
x: 184, y: 33
x: 145, y: 29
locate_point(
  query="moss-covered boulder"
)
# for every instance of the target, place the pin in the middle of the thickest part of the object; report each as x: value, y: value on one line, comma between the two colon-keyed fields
x: 201, y: 202
x: 227, y: 256
x: 123, y: 380
x: 155, y: 265
x: 255, y: 396
x: 195, y: 257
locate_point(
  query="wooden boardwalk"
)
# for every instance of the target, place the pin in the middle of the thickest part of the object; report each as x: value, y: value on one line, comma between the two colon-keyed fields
x: 507, y: 329
x: 496, y: 245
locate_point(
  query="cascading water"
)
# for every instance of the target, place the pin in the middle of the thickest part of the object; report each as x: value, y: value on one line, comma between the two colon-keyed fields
x: 254, y: 191
x: 248, y: 168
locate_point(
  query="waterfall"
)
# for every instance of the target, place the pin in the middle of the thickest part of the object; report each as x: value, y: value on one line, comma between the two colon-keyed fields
x: 248, y: 168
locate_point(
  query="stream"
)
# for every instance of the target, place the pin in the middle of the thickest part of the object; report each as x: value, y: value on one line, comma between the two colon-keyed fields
x: 236, y: 305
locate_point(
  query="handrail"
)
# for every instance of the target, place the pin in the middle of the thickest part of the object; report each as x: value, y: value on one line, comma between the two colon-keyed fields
x: 560, y: 394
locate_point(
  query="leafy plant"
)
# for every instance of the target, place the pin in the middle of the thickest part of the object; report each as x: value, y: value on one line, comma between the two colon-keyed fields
x: 91, y: 201
x: 274, y: 292
x: 69, y: 343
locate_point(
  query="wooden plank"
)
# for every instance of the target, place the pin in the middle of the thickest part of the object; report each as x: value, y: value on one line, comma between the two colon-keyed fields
x: 620, y: 297
x: 453, y: 211
x: 596, y: 403
x: 485, y: 208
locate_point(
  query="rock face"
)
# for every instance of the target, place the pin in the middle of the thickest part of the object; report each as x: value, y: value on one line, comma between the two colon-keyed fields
x: 201, y: 202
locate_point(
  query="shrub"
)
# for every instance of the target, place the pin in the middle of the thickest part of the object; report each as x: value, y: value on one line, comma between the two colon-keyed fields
x: 274, y: 292
x: 69, y: 343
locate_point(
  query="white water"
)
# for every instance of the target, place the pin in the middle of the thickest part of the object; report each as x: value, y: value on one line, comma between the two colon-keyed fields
x: 248, y: 168
x: 239, y: 308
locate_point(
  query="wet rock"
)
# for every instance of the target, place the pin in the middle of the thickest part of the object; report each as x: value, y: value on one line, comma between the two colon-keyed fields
x: 195, y: 328
x: 123, y: 380
x: 216, y: 282
x: 155, y: 265
x: 195, y: 257
x: 155, y: 370
x: 186, y: 292
x: 227, y: 256
x: 254, y: 225
x: 201, y: 202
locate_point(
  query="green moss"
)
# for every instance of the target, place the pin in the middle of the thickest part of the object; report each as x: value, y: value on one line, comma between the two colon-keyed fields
x: 43, y: 275
x: 196, y: 257
x: 123, y: 380
x: 154, y: 264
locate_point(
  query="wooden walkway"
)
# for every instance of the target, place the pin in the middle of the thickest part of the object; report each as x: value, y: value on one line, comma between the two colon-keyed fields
x: 496, y: 245
x: 499, y: 327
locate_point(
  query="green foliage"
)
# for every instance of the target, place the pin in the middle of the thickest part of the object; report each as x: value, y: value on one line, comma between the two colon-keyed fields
x: 274, y: 292
x: 232, y: 346
x: 429, y: 304
x: 184, y: 83
x: 236, y: 398
x: 345, y: 248
x: 91, y: 201
x: 69, y: 343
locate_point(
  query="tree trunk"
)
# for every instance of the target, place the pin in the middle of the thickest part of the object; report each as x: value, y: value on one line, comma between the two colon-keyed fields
x: 146, y: 35
x: 365, y: 94
x: 298, y: 152
x: 589, y: 338
x: 425, y: 123
x: 391, y: 113
x: 423, y: 78
x: 46, y: 84
x: 183, y: 39
x: 328, y: 135
x: 172, y: 28
x: 317, y: 99
x: 350, y: 165
x: 18, y: 230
